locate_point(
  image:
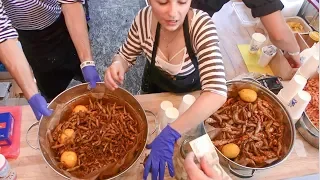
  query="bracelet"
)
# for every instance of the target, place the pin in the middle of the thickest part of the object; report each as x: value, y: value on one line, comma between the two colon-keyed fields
x: 115, y: 62
x: 87, y: 63
x: 294, y: 53
x: 128, y: 64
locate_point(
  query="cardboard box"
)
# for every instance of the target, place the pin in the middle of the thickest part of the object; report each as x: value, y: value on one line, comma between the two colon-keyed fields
x: 5, y: 75
x: 280, y: 65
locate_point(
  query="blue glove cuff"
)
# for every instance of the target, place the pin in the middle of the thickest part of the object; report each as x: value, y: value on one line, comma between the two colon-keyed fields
x: 172, y: 132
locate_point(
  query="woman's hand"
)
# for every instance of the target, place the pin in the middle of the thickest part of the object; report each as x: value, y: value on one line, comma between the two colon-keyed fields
x: 39, y: 106
x: 294, y: 60
x: 114, y: 75
x: 194, y: 172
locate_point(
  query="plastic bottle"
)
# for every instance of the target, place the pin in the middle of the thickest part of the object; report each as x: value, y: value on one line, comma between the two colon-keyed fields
x: 6, y: 173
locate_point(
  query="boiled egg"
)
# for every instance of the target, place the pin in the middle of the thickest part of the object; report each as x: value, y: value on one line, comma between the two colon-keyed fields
x: 67, y: 134
x: 69, y: 159
x: 79, y: 108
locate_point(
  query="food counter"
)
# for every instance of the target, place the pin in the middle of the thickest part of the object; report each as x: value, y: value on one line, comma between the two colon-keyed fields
x: 303, y: 160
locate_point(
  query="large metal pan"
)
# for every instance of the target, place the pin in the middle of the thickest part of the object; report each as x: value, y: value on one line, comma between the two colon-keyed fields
x: 308, y: 130
x: 76, y: 95
x: 289, y: 131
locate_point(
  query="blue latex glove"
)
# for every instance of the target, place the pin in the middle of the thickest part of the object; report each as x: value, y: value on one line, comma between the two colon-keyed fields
x: 161, y: 153
x: 39, y: 106
x: 91, y: 75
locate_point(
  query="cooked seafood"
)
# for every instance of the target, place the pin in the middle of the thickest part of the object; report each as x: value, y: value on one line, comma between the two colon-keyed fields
x: 257, y: 129
x: 312, y: 109
x: 99, y: 134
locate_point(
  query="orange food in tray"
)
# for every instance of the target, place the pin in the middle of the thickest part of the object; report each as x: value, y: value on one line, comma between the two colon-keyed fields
x: 312, y: 109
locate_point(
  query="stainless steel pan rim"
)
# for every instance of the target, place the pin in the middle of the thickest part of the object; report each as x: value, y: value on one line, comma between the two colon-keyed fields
x: 308, y: 131
x: 235, y: 166
x: 53, y: 103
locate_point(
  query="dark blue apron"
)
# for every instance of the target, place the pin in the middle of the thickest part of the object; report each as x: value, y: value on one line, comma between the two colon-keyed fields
x: 155, y: 80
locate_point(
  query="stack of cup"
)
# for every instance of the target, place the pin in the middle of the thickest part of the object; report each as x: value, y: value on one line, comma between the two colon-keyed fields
x: 298, y: 104
x: 309, y: 67
x: 186, y: 102
x: 170, y: 115
x: 296, y: 85
x: 161, y: 113
x: 256, y: 42
x: 268, y: 52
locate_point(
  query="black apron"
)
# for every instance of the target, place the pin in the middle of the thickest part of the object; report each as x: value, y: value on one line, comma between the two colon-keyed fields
x: 52, y: 57
x: 155, y: 81
x: 49, y: 48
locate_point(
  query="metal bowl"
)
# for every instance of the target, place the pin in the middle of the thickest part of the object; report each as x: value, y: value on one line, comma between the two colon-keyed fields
x: 234, y: 86
x: 308, y: 131
x: 77, y: 95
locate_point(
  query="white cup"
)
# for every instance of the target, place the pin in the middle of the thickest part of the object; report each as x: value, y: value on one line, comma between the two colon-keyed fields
x: 257, y: 39
x: 309, y: 67
x: 298, y: 104
x: 295, y: 85
x: 284, y: 101
x: 171, y: 114
x: 268, y: 52
x: 161, y: 113
x: 186, y: 102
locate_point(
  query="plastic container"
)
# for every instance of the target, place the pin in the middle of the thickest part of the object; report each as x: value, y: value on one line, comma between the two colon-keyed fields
x: 244, y: 14
x: 6, y: 173
x: 296, y: 19
x: 13, y: 151
x: 4, y: 167
x: 291, y: 7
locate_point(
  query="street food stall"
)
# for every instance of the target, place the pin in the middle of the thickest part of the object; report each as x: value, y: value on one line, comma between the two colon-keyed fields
x: 277, y: 145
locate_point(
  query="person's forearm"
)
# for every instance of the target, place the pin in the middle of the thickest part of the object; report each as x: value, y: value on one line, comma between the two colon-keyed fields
x: 12, y: 56
x: 279, y: 32
x: 205, y: 105
x: 77, y: 27
x: 287, y: 43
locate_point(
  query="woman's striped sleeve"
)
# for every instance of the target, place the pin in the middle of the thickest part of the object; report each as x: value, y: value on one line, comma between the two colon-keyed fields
x: 6, y: 29
x: 211, y: 68
x: 71, y: 1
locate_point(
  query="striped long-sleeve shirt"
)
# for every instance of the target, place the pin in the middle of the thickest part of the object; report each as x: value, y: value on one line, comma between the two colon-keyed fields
x: 204, y: 40
x: 28, y: 15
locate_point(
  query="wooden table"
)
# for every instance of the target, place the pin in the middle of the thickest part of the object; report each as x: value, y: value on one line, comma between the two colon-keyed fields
x: 30, y: 165
x: 303, y: 160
